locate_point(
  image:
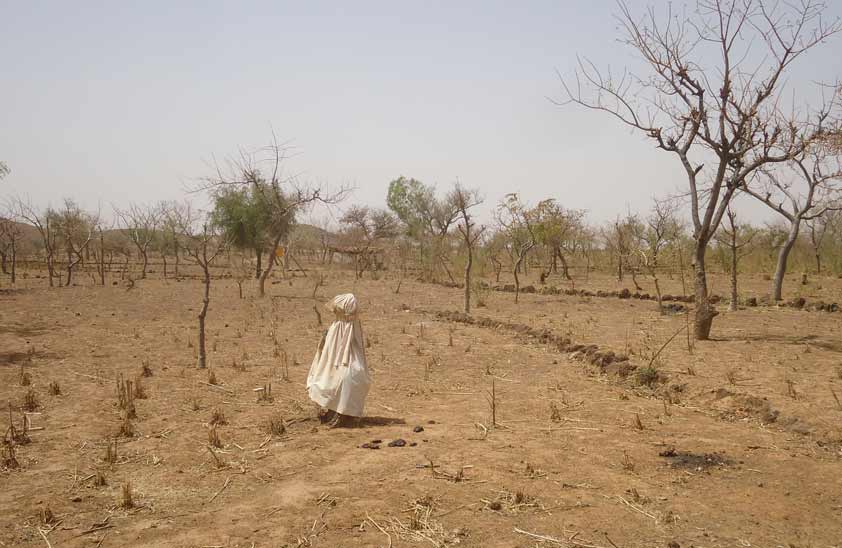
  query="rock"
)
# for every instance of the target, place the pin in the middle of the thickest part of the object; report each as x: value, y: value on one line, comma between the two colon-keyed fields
x: 397, y: 443
x: 418, y: 429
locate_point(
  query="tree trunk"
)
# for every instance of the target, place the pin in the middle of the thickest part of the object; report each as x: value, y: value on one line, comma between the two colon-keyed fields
x: 101, y: 260
x: 69, y: 268
x: 517, y: 278
x: 145, y: 263
x: 268, y: 270
x: 783, y: 257
x: 565, y: 269
x: 203, y: 360
x: 704, y: 311
x: 259, y: 267
x: 733, y: 304
x: 468, y: 266
x: 14, y: 258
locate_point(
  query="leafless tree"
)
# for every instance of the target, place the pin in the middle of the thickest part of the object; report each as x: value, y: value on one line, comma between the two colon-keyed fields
x: 802, y: 190
x: 517, y: 220
x: 819, y: 228
x: 659, y: 229
x: 711, y: 99
x: 42, y: 221
x: 141, y: 223
x: 74, y: 230
x: 737, y: 238
x: 463, y: 200
x: 10, y: 235
x: 203, y: 246
x: 263, y: 170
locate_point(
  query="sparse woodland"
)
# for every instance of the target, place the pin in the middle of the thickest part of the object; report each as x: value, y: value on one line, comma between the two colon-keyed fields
x: 543, y: 375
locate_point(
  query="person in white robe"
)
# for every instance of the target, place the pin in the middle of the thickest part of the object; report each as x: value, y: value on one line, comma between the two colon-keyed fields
x: 338, y: 380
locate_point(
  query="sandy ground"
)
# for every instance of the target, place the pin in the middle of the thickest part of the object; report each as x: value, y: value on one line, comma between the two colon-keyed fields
x: 739, y: 443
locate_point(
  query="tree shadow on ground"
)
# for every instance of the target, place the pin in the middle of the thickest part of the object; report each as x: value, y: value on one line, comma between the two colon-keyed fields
x: 803, y: 340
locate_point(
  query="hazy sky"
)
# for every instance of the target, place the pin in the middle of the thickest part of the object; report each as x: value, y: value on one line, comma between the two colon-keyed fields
x: 111, y: 102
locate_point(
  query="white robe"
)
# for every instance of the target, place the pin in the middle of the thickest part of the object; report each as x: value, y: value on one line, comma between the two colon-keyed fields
x: 338, y: 378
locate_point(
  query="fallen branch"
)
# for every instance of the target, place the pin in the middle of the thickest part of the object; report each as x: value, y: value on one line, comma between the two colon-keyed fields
x: 227, y: 481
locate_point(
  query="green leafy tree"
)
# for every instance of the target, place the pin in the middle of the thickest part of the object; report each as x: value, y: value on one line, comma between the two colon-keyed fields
x: 244, y: 216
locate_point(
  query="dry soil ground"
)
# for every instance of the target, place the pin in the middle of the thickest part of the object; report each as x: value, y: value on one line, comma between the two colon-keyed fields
x: 736, y: 444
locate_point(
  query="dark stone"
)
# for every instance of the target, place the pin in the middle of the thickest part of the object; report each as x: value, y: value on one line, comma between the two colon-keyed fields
x: 397, y: 443
x: 418, y: 429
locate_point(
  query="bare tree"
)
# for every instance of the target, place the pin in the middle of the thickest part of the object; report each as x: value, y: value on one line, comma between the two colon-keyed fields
x: 464, y: 200
x: 805, y: 191
x: 721, y: 121
x: 737, y: 238
x: 365, y: 228
x: 42, y: 221
x: 10, y: 235
x: 74, y: 229
x: 203, y: 246
x: 141, y: 223
x: 284, y: 195
x: 819, y: 228
x: 517, y: 220
x: 658, y: 230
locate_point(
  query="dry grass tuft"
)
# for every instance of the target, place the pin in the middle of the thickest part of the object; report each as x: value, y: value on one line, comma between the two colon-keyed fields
x: 47, y: 517
x: 125, y: 397
x: 127, y: 502
x: 25, y: 379
x: 217, y: 418
x: 512, y: 503
x: 139, y: 390
x: 241, y: 366
x: 30, y: 401
x: 213, y: 437
x: 212, y: 377
x: 10, y: 461
x: 276, y: 426
x: 100, y: 480
x: 146, y: 370
x: 637, y: 423
x: 264, y: 395
x: 555, y: 412
x: 421, y: 527
x: 111, y: 453
x: 126, y: 427
x: 627, y: 463
x: 54, y: 389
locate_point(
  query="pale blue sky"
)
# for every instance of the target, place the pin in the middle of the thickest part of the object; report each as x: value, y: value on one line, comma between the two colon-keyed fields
x: 114, y: 102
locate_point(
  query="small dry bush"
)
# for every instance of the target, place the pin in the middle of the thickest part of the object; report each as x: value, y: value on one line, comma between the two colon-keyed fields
x: 10, y: 460
x: 647, y: 376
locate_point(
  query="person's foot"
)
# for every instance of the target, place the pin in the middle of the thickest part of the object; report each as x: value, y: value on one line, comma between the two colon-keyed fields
x: 327, y: 416
x: 341, y: 421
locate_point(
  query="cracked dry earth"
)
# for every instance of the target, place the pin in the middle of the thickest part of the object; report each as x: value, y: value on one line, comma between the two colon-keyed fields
x: 736, y: 444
